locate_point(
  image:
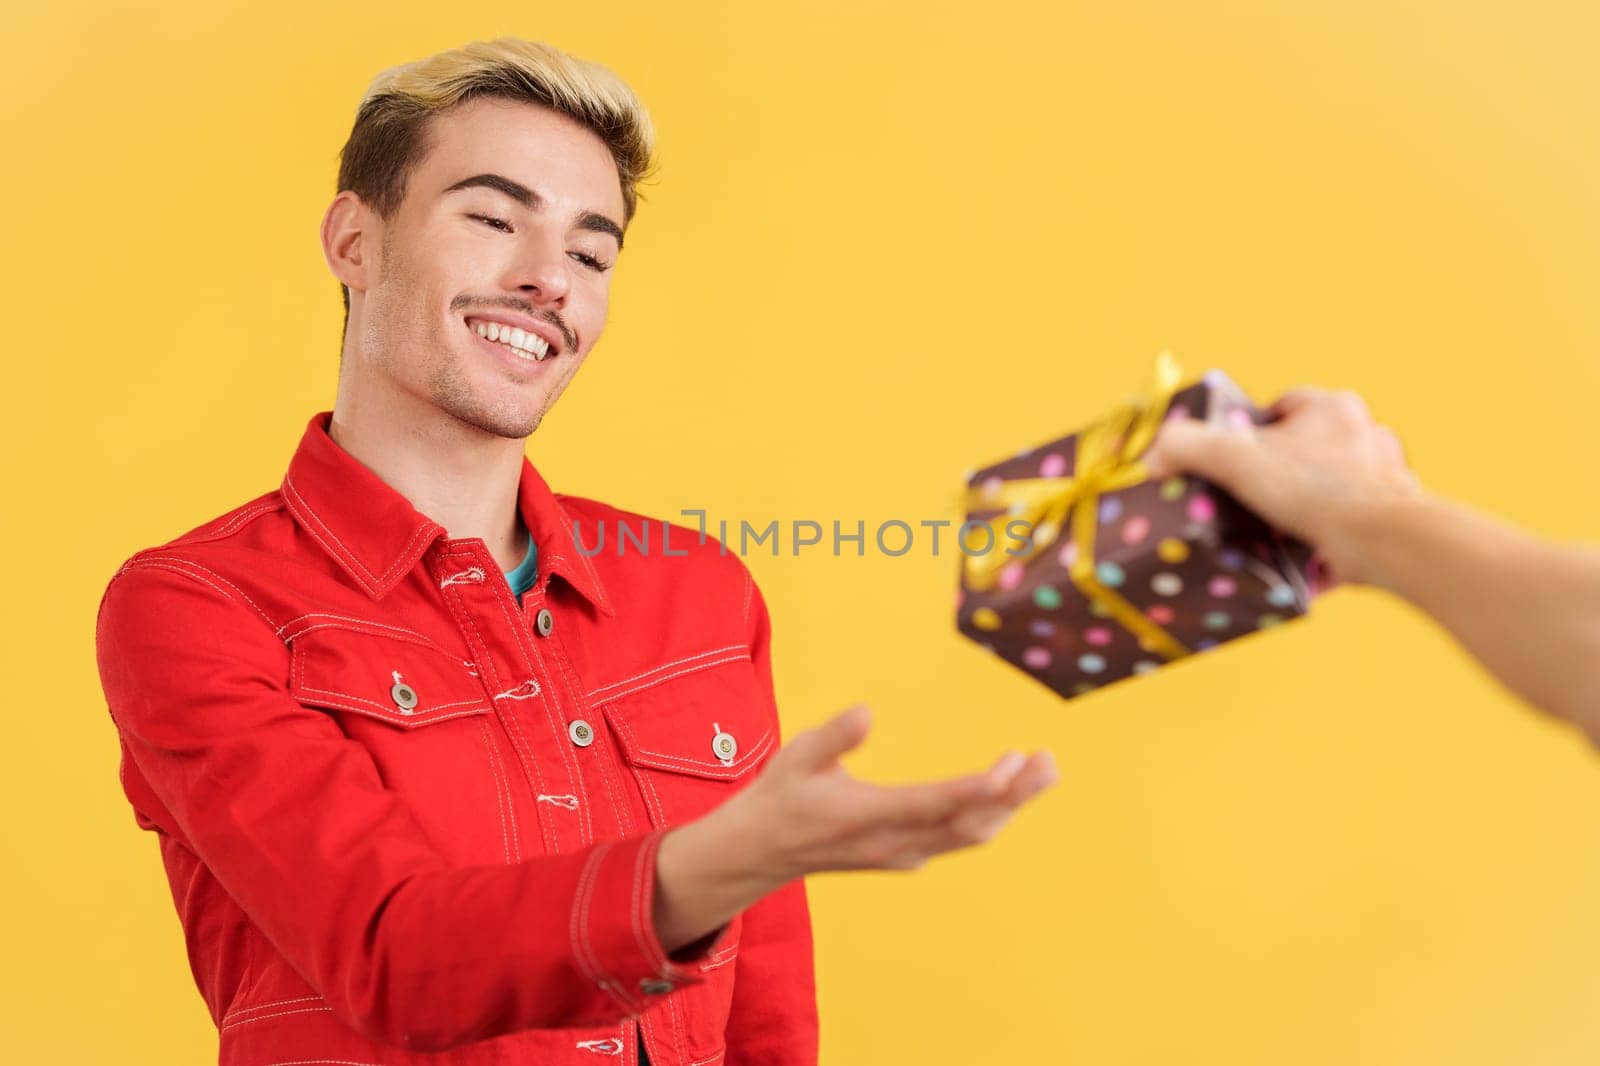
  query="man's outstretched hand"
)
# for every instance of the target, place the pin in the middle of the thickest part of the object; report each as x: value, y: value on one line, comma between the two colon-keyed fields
x: 806, y: 814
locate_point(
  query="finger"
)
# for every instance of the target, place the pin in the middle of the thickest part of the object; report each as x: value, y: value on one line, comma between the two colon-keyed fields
x: 1037, y: 774
x: 999, y: 776
x: 1321, y: 576
x: 1193, y: 447
x: 924, y: 804
x: 1295, y: 399
x: 1032, y: 776
x: 970, y: 829
x: 929, y: 803
x: 1352, y: 405
x: 1392, y: 446
x: 978, y: 822
x: 819, y: 748
x: 1000, y: 779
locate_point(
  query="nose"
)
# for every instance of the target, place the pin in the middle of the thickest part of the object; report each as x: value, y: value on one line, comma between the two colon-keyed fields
x: 541, y: 270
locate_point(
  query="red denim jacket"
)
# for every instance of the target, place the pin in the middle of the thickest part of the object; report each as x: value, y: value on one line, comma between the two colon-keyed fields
x: 407, y: 820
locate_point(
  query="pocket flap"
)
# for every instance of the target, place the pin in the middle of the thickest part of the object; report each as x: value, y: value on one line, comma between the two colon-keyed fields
x: 712, y: 721
x: 398, y: 677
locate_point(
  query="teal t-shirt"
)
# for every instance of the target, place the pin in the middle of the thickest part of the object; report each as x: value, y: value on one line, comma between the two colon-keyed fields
x: 524, y: 574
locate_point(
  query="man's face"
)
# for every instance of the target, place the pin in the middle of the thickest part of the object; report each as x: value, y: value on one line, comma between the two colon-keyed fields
x: 461, y: 254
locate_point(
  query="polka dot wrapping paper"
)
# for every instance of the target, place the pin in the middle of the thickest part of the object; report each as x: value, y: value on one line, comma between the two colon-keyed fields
x: 1184, y: 554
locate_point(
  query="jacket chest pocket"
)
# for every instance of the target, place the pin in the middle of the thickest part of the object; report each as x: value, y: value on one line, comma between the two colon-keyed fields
x: 695, y: 737
x: 425, y: 719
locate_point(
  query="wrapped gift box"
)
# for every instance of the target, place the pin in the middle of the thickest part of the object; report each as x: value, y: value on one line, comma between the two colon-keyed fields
x: 1174, y: 567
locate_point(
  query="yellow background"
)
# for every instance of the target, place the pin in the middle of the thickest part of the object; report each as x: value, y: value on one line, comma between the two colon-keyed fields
x: 891, y: 241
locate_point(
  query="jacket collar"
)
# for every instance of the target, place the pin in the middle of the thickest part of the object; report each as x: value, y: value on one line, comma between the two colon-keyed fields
x: 377, y: 536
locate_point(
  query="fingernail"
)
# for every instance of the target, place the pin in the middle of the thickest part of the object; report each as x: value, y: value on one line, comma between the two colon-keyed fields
x: 1009, y: 764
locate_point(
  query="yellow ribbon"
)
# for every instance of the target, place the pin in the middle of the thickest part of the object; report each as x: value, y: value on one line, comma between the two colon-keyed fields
x: 1107, y: 460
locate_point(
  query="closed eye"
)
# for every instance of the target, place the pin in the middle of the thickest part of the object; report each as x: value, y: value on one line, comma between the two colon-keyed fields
x: 503, y: 226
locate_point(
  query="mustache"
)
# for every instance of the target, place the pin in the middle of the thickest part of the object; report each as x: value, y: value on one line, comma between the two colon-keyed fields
x: 467, y: 306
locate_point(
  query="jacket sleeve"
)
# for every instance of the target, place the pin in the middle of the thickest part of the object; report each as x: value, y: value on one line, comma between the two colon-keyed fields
x: 293, y: 819
x: 773, y: 1018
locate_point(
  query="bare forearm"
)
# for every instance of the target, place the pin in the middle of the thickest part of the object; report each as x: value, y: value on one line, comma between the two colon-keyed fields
x: 1528, y: 609
x: 707, y: 872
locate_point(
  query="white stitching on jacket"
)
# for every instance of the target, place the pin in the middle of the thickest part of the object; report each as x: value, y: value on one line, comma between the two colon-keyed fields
x: 274, y: 1003
x: 512, y: 727
x: 239, y: 521
x: 654, y: 681
x: 411, y: 634
x: 582, y: 947
x: 611, y: 1046
x: 609, y: 781
x: 528, y: 758
x: 426, y: 715
x: 375, y: 580
x: 276, y: 1014
x: 471, y: 573
x: 686, y: 763
x: 157, y: 562
x: 702, y: 765
x: 569, y: 761
x: 525, y: 691
x: 662, y: 666
x: 499, y: 793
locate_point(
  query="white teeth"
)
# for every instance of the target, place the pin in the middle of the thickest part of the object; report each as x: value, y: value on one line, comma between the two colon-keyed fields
x: 518, y: 340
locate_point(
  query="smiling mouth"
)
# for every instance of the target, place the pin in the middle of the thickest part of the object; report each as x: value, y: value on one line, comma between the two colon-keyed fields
x: 528, y: 346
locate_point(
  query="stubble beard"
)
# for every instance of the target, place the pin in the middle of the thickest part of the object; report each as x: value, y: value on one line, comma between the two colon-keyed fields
x: 450, y: 391
x: 448, y: 379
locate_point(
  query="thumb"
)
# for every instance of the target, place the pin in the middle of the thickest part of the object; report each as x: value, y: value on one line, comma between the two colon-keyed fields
x: 1224, y: 456
x: 817, y: 749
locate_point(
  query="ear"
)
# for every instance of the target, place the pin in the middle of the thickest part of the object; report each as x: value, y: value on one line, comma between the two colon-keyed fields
x: 345, y: 235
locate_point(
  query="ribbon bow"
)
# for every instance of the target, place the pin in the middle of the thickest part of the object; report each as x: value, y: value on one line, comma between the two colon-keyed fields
x: 1107, y: 459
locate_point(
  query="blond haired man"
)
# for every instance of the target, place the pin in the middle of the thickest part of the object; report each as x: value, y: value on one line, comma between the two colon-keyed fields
x: 431, y: 782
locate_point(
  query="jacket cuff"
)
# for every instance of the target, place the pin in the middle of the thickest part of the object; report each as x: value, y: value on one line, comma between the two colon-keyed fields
x: 614, y: 930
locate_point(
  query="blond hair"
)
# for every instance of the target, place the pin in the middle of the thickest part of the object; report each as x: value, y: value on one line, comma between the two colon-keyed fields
x: 390, y: 136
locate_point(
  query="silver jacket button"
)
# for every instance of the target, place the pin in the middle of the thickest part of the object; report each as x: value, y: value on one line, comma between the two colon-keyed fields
x: 544, y: 621
x: 724, y: 747
x: 581, y: 733
x: 404, y: 696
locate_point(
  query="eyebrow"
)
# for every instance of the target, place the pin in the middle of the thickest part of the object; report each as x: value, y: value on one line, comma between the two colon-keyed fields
x: 589, y: 220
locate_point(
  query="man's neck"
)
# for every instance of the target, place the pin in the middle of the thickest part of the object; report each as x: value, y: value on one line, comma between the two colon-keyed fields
x: 459, y: 476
